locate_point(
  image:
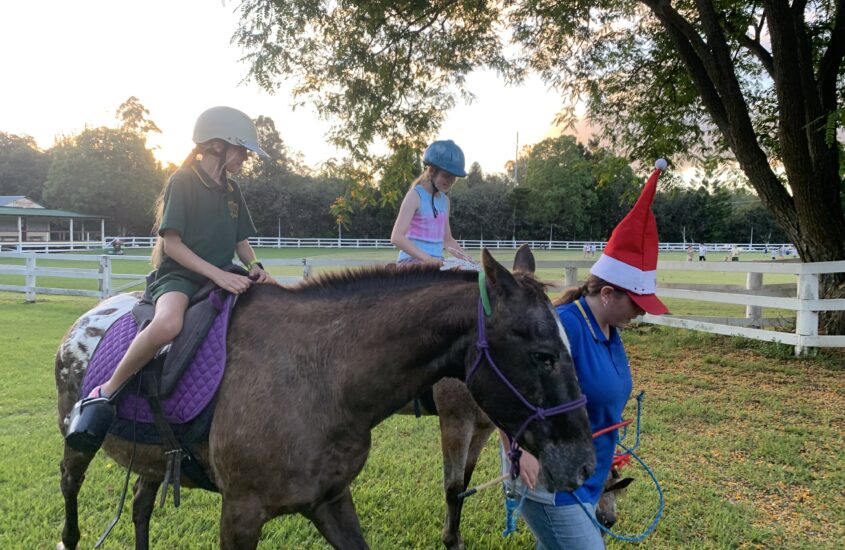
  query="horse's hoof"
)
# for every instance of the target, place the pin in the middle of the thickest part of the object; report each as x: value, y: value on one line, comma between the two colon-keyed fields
x: 60, y: 546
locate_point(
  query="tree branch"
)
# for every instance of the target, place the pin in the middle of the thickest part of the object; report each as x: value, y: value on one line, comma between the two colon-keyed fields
x: 722, y: 96
x: 754, y: 46
x: 831, y: 61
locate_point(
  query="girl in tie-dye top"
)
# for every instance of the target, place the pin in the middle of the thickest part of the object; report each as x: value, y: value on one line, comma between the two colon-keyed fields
x: 421, y: 231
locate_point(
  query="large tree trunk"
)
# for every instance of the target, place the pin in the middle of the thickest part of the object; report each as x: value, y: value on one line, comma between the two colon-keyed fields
x: 812, y: 214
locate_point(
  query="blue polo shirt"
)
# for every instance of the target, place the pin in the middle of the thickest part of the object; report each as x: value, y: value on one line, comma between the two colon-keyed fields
x: 605, y: 378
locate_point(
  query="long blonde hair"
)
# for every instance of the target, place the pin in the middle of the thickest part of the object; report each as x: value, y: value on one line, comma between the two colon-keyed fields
x: 421, y: 178
x: 157, y: 255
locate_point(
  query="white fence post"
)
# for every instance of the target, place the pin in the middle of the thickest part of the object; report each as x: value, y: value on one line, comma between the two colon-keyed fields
x: 306, y: 269
x: 807, y: 321
x: 29, y: 294
x: 105, y: 277
x: 754, y: 281
x: 570, y: 277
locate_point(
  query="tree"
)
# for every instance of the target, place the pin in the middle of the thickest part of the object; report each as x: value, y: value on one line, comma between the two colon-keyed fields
x: 616, y: 190
x: 758, y: 82
x: 482, y: 207
x: 108, y: 172
x: 23, y: 166
x: 134, y: 118
x: 561, y: 187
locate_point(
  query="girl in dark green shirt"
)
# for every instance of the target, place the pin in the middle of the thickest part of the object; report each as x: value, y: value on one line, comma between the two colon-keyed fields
x: 202, y: 223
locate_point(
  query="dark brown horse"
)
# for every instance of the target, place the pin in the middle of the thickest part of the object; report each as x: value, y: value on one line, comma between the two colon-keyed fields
x: 312, y: 369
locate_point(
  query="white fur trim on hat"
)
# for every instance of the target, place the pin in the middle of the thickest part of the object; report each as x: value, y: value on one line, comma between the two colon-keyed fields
x: 625, y: 275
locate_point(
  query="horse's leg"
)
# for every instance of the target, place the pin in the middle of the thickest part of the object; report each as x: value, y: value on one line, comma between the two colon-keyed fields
x: 73, y: 466
x: 142, y: 510
x: 240, y: 523
x: 480, y: 435
x: 337, y: 521
x: 455, y: 437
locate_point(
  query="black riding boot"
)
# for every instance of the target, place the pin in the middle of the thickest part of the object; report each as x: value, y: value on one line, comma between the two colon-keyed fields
x: 88, y: 423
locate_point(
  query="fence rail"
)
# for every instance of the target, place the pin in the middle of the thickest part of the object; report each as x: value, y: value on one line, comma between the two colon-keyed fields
x: 332, y: 242
x: 802, y: 298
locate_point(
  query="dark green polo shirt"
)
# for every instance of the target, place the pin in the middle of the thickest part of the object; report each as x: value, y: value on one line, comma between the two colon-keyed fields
x: 210, y: 219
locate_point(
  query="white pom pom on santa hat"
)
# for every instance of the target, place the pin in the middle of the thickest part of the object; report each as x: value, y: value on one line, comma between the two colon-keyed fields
x: 661, y: 164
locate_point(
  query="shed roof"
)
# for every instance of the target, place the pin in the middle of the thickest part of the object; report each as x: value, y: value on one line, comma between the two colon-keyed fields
x: 46, y: 213
x: 6, y: 199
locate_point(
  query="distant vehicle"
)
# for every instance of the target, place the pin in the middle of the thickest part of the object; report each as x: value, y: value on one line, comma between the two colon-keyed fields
x: 114, y: 247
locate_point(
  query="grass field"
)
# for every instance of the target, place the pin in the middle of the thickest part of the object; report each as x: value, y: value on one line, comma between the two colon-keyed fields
x: 745, y: 440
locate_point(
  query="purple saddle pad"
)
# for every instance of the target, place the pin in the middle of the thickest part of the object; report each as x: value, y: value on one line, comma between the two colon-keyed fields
x: 194, y: 390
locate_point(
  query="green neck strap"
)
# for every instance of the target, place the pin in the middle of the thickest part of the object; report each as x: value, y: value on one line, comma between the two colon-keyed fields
x: 482, y: 289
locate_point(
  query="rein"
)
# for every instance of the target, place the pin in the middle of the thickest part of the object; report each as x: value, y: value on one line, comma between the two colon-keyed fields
x: 483, y: 347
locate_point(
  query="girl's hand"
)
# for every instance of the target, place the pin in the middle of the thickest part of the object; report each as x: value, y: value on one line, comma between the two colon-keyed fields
x: 529, y: 469
x: 460, y: 254
x: 258, y: 275
x: 231, y: 282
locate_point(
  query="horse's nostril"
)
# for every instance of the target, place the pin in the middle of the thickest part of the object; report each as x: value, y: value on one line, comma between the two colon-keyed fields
x: 586, y: 472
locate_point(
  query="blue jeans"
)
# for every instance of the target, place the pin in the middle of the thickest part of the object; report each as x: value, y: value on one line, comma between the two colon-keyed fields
x: 562, y: 527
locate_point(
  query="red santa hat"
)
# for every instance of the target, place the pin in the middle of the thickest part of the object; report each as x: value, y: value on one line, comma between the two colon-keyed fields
x: 630, y: 259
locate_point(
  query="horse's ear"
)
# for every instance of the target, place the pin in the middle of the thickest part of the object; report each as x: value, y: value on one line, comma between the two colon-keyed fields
x: 524, y: 260
x: 499, y: 279
x: 617, y: 484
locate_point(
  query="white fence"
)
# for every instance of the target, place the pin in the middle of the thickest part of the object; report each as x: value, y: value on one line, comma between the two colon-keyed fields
x: 801, y: 297
x: 331, y: 242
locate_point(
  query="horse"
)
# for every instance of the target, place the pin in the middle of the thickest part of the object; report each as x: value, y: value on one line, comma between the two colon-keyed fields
x: 314, y: 367
x: 464, y: 431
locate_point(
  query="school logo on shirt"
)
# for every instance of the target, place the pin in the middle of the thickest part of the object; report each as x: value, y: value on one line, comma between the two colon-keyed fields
x: 233, y: 209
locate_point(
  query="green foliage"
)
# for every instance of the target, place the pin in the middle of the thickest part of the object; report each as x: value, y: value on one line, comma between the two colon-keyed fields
x: 383, y: 68
x: 134, y: 118
x: 481, y: 206
x: 106, y: 172
x: 23, y: 166
x: 560, y: 183
x: 693, y: 81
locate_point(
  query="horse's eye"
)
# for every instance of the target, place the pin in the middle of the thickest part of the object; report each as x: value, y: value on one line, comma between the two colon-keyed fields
x: 546, y: 358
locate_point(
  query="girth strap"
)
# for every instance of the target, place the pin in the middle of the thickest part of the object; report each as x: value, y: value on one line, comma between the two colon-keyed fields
x: 173, y: 451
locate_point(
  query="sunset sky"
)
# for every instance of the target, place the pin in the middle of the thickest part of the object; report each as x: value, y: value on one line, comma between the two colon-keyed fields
x: 68, y: 65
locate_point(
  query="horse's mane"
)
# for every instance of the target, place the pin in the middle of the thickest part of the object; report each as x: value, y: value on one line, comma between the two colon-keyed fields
x: 381, y: 277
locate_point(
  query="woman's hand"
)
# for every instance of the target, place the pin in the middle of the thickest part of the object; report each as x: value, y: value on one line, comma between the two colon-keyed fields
x: 529, y: 469
x: 231, y: 282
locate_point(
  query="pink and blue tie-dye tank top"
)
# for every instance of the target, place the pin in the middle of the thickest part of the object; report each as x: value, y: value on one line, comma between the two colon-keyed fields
x: 426, y: 231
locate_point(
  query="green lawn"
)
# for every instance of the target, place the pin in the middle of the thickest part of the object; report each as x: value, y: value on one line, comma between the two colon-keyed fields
x: 746, y: 441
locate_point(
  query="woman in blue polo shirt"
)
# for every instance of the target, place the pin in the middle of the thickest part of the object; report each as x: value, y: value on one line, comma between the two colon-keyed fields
x: 621, y: 286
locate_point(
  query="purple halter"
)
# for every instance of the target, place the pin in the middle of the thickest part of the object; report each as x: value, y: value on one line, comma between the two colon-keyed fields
x: 539, y: 413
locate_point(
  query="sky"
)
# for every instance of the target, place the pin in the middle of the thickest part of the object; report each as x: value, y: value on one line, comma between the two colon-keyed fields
x: 69, y: 65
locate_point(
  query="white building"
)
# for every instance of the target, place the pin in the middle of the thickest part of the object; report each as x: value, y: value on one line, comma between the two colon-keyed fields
x: 23, y: 220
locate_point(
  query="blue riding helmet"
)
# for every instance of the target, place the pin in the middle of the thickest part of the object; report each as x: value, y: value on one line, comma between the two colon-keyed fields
x: 447, y: 156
